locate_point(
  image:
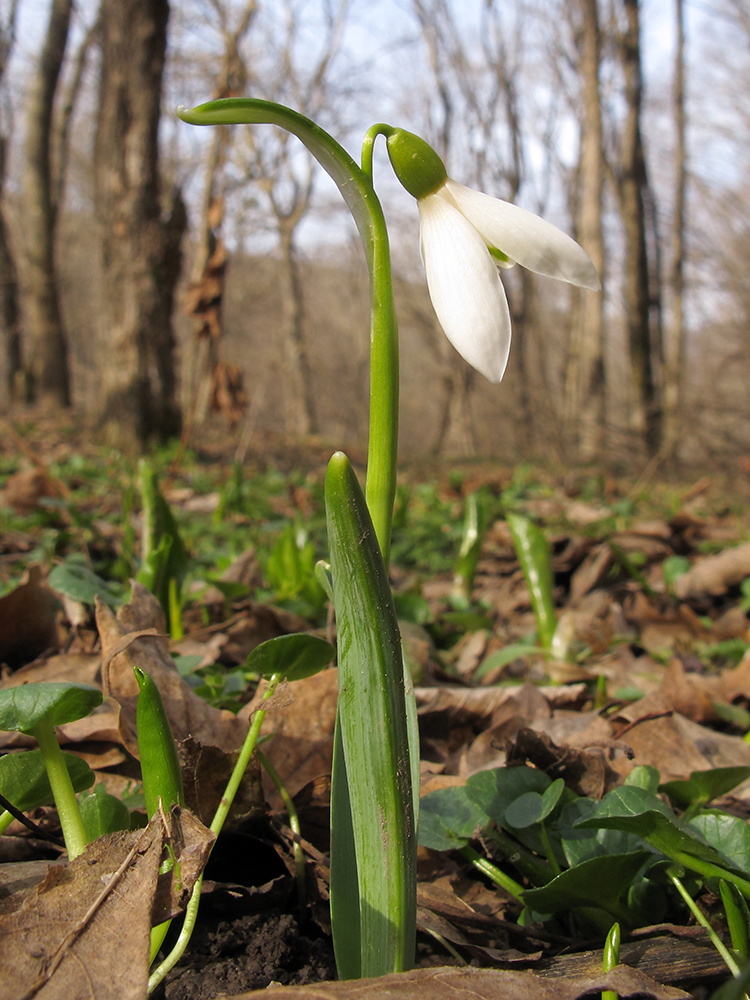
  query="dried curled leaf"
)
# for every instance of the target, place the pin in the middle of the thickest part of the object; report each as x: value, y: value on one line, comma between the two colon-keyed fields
x: 476, y: 984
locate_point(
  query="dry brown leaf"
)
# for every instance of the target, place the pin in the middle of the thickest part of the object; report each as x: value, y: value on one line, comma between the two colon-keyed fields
x: 188, y: 714
x: 475, y: 984
x: 585, y: 771
x: 28, y: 620
x: 714, y: 575
x: 25, y: 489
x: 301, y: 721
x: 675, y: 745
x: 84, y: 931
x: 256, y: 624
x: 81, y: 668
x: 591, y: 572
x: 205, y: 773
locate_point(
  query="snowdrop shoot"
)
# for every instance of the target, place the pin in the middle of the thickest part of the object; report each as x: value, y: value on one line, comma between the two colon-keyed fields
x: 465, y: 237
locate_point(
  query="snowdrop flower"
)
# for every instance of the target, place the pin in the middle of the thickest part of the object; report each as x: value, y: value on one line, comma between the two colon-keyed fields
x: 465, y: 236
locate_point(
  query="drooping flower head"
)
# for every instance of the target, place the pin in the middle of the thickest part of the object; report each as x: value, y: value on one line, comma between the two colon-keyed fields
x: 465, y: 236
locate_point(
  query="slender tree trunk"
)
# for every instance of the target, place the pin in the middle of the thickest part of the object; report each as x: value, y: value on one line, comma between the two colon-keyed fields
x: 140, y: 247
x: 585, y: 377
x: 10, y: 313
x: 48, y: 354
x: 299, y: 398
x: 457, y: 435
x: 205, y: 299
x: 675, y: 346
x: 633, y: 191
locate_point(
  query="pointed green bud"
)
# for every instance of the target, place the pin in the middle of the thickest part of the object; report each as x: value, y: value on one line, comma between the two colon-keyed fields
x: 415, y: 163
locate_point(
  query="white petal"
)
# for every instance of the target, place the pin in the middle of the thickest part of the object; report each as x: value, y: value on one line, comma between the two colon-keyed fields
x: 464, y: 287
x: 525, y: 237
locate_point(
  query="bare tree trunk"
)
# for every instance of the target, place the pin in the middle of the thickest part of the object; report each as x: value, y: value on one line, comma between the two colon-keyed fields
x: 675, y: 346
x: 48, y: 356
x: 585, y: 375
x: 140, y: 248
x: 205, y: 298
x: 10, y: 315
x: 633, y: 192
x: 299, y: 397
x: 457, y: 434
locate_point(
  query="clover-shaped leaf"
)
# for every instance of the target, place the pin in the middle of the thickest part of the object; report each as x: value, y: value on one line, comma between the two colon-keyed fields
x: 448, y: 819
x: 494, y: 790
x: 703, y: 787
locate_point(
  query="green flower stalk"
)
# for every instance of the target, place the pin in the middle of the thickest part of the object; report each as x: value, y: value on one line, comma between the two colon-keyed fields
x: 358, y: 193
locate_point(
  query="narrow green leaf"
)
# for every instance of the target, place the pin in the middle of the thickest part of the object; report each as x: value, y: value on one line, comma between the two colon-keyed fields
x: 160, y: 764
x: 163, y: 554
x: 532, y: 549
x: 738, y: 918
x: 374, y: 730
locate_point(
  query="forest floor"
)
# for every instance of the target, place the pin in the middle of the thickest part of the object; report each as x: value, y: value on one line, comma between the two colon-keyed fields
x: 650, y: 669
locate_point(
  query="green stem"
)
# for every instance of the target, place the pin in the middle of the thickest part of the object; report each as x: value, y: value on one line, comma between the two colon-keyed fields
x: 715, y: 939
x: 6, y: 819
x: 548, y: 849
x: 299, y: 858
x: 359, y: 195
x: 62, y: 789
x: 529, y: 865
x: 710, y: 870
x: 493, y: 872
x: 191, y: 911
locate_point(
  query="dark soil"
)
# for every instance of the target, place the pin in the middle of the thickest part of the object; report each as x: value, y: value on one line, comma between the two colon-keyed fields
x: 229, y: 956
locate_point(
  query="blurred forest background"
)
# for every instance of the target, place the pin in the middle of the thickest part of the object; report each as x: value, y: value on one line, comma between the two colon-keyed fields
x: 157, y: 276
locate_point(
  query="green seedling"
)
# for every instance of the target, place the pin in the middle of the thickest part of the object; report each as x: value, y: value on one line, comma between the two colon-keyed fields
x: 164, y: 559
x: 738, y: 918
x: 532, y: 549
x: 160, y: 765
x: 611, y: 957
x: 25, y: 784
x: 468, y: 556
x: 36, y: 709
x: 290, y: 571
